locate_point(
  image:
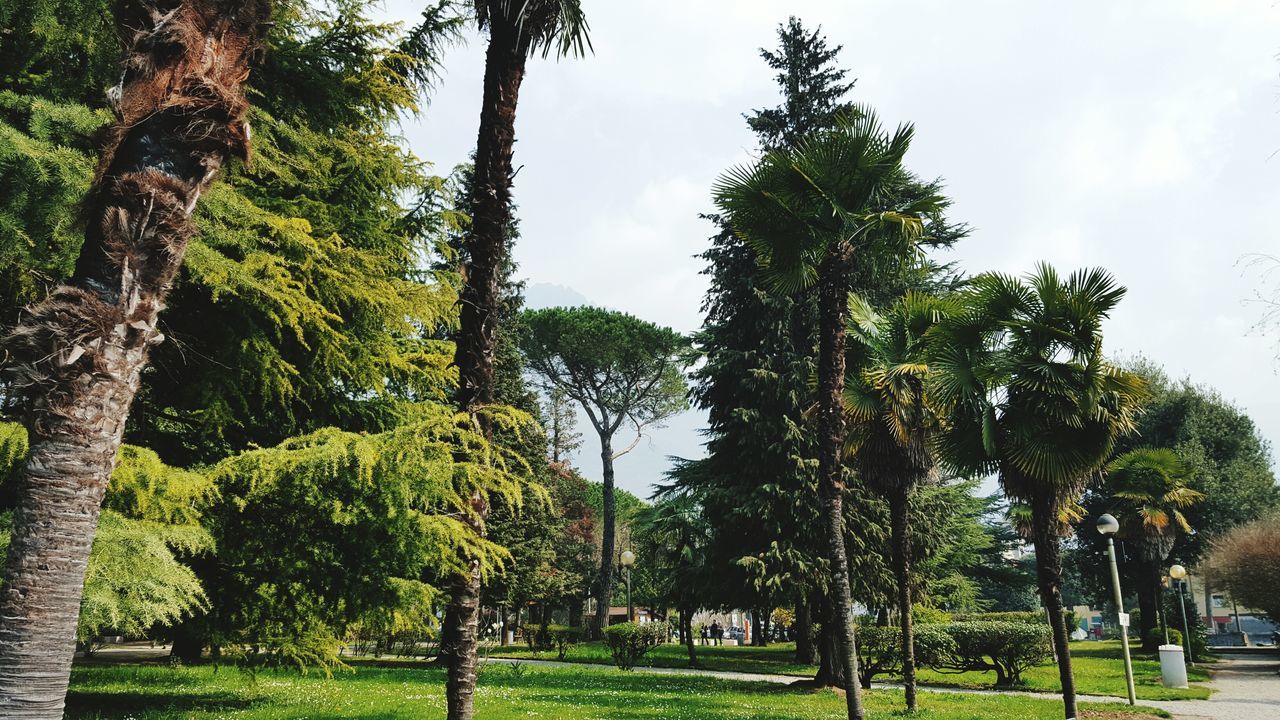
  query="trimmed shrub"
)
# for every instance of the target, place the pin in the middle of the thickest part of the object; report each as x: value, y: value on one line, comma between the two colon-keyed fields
x: 1008, y: 648
x: 880, y: 649
x: 628, y: 642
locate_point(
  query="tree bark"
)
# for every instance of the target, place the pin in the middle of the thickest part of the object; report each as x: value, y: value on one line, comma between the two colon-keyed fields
x: 806, y: 653
x: 1044, y: 520
x: 77, y: 357
x: 832, y: 671
x: 604, y: 587
x: 833, y: 307
x: 900, y: 509
x: 486, y: 251
x: 686, y: 628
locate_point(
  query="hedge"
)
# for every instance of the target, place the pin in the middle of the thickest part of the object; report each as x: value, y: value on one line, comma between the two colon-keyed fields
x: 541, y: 638
x: 880, y: 649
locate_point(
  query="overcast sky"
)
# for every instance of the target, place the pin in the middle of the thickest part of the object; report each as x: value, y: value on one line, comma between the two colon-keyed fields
x: 1137, y: 136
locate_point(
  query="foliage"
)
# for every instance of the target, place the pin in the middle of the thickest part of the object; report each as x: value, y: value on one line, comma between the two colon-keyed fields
x: 560, y: 638
x: 1008, y: 648
x: 301, y: 304
x: 369, y: 516
x: 619, y: 368
x: 812, y: 85
x: 135, y: 580
x: 880, y: 649
x: 628, y: 642
x: 1247, y: 564
x: 1227, y: 459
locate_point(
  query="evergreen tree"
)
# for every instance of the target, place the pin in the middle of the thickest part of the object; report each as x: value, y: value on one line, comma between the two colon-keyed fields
x: 758, y: 348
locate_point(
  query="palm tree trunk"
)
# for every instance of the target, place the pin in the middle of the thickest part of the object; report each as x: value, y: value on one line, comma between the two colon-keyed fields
x: 604, y: 588
x: 900, y: 507
x: 1044, y: 521
x: 1149, y: 604
x: 486, y: 252
x: 833, y: 309
x: 77, y: 357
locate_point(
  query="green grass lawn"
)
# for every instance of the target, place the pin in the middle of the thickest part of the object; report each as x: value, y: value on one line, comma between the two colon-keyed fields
x: 1098, y: 667
x: 147, y: 692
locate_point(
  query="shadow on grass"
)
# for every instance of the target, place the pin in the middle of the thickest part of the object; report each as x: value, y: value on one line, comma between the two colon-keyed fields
x: 143, y: 702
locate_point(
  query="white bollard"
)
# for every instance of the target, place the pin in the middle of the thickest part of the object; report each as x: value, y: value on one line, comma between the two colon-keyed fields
x: 1173, y: 669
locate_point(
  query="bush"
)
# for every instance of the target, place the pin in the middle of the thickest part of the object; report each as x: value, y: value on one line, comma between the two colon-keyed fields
x: 628, y: 642
x: 929, y: 615
x: 1156, y: 636
x: 1008, y: 648
x: 880, y: 649
x: 541, y: 638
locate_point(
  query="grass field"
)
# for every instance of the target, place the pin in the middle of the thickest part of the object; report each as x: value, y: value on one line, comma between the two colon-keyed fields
x: 151, y: 692
x: 1097, y: 666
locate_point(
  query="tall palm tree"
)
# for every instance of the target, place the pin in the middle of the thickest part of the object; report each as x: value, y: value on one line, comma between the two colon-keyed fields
x: 517, y: 29
x: 1147, y: 491
x: 810, y: 212
x: 1030, y: 396
x: 892, y: 420
x: 77, y: 357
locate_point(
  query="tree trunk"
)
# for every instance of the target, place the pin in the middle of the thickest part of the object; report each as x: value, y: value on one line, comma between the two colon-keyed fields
x: 833, y: 306
x: 757, y: 628
x: 1044, y: 521
x: 806, y: 653
x: 486, y: 251
x: 1148, y: 582
x: 686, y: 625
x: 77, y: 357
x: 900, y: 509
x: 604, y: 588
x: 832, y: 671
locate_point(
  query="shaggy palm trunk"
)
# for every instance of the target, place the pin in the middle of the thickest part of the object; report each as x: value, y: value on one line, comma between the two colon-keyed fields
x: 832, y: 671
x: 77, y: 357
x: 1044, y: 521
x: 604, y: 585
x: 833, y: 309
x: 900, y: 508
x: 486, y: 250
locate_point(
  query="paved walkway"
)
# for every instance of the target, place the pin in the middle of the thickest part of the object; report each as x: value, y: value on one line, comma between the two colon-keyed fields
x: 1246, y: 687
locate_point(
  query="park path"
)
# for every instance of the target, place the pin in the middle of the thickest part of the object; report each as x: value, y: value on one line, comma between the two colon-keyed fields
x: 1246, y: 687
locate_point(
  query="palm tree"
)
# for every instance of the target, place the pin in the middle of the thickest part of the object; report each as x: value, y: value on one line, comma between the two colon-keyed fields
x: 810, y: 212
x: 675, y: 529
x: 892, y: 419
x: 1147, y: 492
x: 1030, y: 396
x: 517, y: 29
x: 77, y: 357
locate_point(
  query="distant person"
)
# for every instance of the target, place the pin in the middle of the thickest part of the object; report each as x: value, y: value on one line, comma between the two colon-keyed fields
x: 717, y: 633
x: 704, y: 634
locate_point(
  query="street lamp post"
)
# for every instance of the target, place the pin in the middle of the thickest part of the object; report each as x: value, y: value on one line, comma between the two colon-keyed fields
x: 628, y: 559
x: 1108, y: 525
x: 1179, y: 575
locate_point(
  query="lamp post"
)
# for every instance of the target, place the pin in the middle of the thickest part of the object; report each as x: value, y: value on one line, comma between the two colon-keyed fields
x: 1179, y: 574
x: 1108, y: 525
x: 628, y: 559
